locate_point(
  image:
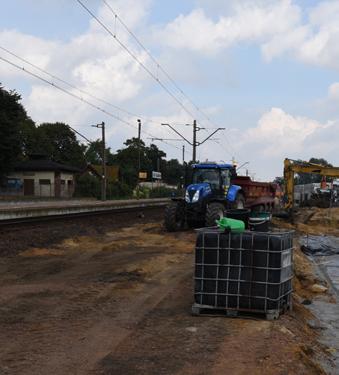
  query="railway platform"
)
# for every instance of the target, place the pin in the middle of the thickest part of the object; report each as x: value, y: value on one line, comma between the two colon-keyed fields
x: 14, y: 211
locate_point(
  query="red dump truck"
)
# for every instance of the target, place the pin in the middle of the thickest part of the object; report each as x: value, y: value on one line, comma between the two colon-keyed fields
x: 258, y: 195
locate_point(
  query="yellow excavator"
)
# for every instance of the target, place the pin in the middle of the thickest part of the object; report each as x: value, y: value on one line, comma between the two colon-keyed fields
x: 297, y: 166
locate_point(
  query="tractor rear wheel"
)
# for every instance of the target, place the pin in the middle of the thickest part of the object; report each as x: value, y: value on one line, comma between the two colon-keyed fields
x: 214, y: 211
x: 174, y: 217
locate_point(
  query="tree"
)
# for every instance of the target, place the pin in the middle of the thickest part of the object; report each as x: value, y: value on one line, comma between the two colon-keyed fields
x: 13, y: 119
x: 59, y: 143
x: 154, y: 155
x: 128, y: 160
x: 93, y: 153
x: 174, y: 172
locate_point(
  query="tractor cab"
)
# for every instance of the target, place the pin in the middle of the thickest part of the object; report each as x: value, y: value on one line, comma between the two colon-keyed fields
x: 209, y: 180
x: 218, y: 176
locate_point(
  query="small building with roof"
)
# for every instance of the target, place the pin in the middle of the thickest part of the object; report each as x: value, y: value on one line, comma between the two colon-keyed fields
x: 44, y: 178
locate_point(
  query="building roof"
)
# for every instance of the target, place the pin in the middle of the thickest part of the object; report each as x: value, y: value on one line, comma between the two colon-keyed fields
x: 44, y: 165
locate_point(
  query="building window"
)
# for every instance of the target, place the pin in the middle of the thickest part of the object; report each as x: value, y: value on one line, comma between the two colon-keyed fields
x: 44, y: 182
x: 62, y: 182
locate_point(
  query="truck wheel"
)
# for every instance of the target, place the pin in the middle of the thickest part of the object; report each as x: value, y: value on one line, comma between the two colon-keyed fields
x: 174, y: 217
x: 214, y: 211
x: 239, y: 202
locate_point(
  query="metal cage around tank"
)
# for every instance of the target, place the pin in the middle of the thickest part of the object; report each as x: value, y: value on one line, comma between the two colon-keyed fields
x: 243, y: 272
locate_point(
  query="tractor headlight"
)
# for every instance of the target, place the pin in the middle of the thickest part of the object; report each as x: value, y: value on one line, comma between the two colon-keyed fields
x: 187, y: 197
x: 196, y: 196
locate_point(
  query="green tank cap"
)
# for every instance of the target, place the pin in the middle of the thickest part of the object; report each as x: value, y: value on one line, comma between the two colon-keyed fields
x: 233, y: 225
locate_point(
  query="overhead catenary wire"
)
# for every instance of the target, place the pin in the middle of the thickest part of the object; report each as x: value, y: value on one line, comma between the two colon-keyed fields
x: 158, y: 65
x: 76, y: 88
x: 78, y: 97
x: 145, y: 119
x: 164, y: 71
x: 148, y: 71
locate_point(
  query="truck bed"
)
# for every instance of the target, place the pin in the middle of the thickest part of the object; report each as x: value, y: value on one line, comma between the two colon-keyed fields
x: 257, y: 193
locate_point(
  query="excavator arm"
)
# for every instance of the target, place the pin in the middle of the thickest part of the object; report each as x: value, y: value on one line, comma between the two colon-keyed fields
x: 293, y: 166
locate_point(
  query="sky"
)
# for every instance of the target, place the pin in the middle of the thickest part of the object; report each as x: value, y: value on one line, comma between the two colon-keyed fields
x: 265, y: 70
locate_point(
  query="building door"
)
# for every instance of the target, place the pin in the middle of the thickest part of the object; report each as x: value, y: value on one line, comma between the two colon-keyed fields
x: 28, y: 186
x: 57, y: 184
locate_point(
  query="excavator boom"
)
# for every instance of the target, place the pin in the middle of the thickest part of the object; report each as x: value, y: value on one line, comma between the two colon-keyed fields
x: 293, y: 166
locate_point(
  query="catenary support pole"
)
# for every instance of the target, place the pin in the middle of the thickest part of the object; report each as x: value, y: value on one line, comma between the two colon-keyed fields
x: 104, y: 177
x: 194, y: 145
x: 103, y: 160
x: 139, y: 156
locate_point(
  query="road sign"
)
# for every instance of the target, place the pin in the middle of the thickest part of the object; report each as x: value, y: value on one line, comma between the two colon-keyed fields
x: 156, y: 175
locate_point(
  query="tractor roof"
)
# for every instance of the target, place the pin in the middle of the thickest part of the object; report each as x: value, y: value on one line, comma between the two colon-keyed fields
x: 212, y: 166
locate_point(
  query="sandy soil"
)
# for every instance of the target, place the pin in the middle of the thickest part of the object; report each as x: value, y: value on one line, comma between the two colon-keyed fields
x: 118, y: 301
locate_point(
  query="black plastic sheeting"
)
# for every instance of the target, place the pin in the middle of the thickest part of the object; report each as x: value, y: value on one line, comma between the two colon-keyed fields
x: 319, y: 245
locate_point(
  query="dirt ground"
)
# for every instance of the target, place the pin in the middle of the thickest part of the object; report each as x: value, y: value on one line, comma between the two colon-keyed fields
x: 117, y: 300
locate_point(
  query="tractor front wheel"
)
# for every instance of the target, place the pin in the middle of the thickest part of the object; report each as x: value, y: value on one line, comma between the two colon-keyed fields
x: 215, y: 211
x: 174, y: 217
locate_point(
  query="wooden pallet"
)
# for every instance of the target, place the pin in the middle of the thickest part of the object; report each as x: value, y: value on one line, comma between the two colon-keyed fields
x: 205, y: 310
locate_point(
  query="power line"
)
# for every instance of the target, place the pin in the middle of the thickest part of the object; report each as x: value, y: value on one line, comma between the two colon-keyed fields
x: 76, y: 88
x: 151, y: 74
x: 75, y: 96
x: 155, y: 61
x: 114, y: 36
x: 117, y: 17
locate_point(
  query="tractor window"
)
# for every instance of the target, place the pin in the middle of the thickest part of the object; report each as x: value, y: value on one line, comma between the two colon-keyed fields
x: 207, y: 175
x: 225, y: 177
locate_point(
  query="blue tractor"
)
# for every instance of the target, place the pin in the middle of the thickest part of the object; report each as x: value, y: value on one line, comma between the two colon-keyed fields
x: 206, y: 199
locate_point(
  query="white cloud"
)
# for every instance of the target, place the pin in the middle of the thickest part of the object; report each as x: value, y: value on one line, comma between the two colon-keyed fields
x: 249, y: 21
x: 277, y: 27
x: 333, y: 91
x: 278, y: 131
x: 38, y: 51
x: 279, y: 134
x: 92, y: 61
x: 315, y: 41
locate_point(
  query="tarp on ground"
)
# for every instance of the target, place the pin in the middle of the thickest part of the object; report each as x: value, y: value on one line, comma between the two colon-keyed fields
x: 319, y: 245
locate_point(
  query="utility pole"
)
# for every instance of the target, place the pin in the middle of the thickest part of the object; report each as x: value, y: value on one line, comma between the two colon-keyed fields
x: 103, y: 159
x: 139, y: 138
x: 183, y: 154
x: 194, y: 157
x: 139, y: 156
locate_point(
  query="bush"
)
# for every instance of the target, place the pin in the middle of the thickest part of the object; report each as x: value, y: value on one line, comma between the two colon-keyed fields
x: 118, y: 190
x: 88, y: 186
